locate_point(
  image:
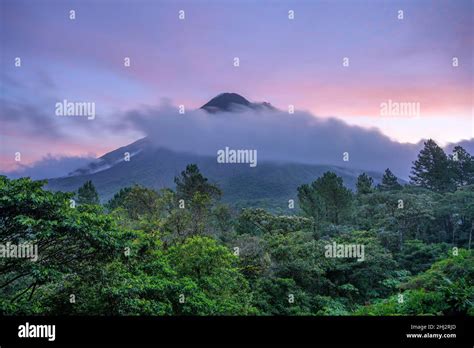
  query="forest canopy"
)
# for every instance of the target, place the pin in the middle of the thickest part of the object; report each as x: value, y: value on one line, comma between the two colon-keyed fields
x: 182, y: 251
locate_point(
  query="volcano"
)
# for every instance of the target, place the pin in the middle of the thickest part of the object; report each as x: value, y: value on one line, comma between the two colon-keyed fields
x: 226, y: 102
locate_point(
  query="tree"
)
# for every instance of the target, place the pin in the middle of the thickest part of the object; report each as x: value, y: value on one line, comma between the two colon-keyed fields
x: 311, y: 203
x: 444, y: 289
x: 222, y: 219
x: 138, y: 282
x: 364, y: 184
x: 293, y: 265
x: 328, y: 196
x: 417, y: 256
x: 138, y: 201
x: 456, y: 213
x: 87, y: 194
x: 412, y: 215
x: 181, y: 253
x: 197, y: 197
x: 431, y: 170
x: 389, y: 182
x: 118, y: 199
x: 358, y: 280
x: 192, y: 181
x: 218, y: 286
x: 462, y: 167
x: 258, y: 221
x: 70, y: 242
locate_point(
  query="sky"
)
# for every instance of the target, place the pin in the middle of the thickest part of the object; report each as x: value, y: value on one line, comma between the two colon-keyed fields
x: 187, y: 62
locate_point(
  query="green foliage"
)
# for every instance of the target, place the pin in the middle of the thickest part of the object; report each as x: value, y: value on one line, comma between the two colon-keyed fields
x: 196, y: 195
x: 191, y: 182
x: 222, y: 220
x: 417, y: 256
x: 444, y: 289
x: 364, y: 184
x: 87, y: 194
x: 273, y: 296
x: 118, y: 199
x: 415, y: 302
x: 137, y: 201
x: 326, y: 200
x: 311, y: 203
x: 184, y: 253
x: 220, y: 287
x: 389, y: 182
x: 69, y: 240
x: 432, y: 170
x: 362, y: 280
x: 398, y: 215
x: 258, y: 222
x: 462, y: 167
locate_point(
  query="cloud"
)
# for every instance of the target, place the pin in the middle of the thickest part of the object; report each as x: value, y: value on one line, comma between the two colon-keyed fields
x: 27, y: 119
x: 468, y: 145
x: 51, y: 166
x: 276, y: 135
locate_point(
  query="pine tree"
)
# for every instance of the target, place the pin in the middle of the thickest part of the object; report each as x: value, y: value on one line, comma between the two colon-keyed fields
x: 462, y: 167
x: 118, y: 199
x: 192, y: 181
x: 311, y: 203
x: 87, y: 194
x: 364, y: 184
x: 432, y: 170
x: 389, y: 182
x: 331, y: 198
x: 198, y: 195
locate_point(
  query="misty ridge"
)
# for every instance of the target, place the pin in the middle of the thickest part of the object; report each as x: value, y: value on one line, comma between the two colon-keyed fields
x: 231, y: 121
x: 277, y: 135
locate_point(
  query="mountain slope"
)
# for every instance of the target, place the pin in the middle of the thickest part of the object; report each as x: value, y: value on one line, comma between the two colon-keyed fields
x: 268, y: 184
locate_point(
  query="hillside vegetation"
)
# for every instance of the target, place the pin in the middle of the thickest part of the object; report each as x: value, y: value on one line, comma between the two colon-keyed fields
x: 183, y: 251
